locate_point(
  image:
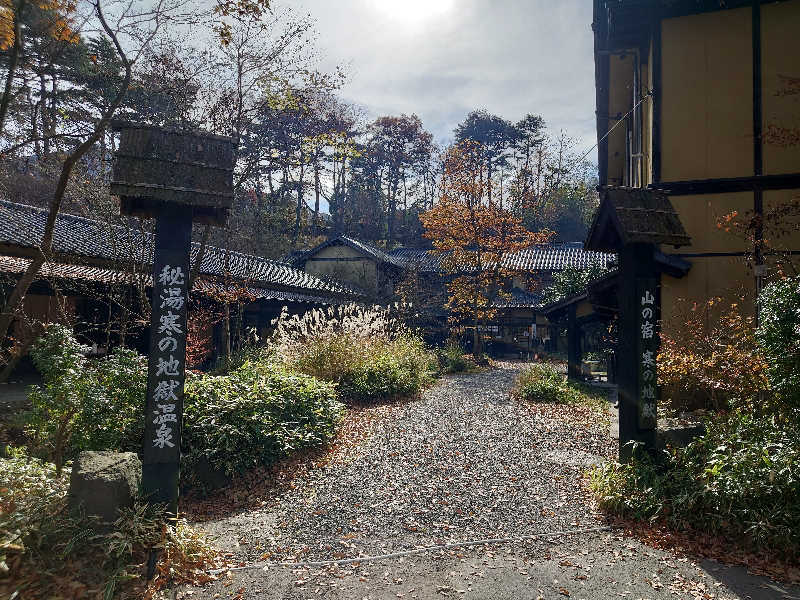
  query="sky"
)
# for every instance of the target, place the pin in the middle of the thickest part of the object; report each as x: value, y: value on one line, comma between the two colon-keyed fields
x: 441, y: 59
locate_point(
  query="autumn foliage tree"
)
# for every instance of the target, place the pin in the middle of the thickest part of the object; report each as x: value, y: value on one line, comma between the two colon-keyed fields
x: 712, y: 352
x: 474, y: 235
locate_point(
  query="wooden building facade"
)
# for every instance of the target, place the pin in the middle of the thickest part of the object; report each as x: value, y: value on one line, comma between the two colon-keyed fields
x: 702, y: 100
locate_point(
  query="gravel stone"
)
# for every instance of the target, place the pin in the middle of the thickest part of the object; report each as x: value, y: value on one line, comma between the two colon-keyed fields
x: 463, y: 462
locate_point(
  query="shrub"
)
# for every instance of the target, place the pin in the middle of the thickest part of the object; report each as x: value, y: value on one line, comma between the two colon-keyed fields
x: 741, y: 480
x: 393, y: 369
x: 721, y: 361
x: 368, y: 353
x: 778, y: 335
x: 541, y: 382
x: 453, y: 360
x: 84, y: 404
x: 254, y: 415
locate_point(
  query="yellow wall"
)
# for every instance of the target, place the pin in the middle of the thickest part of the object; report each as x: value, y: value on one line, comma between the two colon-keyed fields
x: 363, y: 273
x: 725, y: 276
x: 707, y: 96
x: 780, y: 76
x: 619, y: 102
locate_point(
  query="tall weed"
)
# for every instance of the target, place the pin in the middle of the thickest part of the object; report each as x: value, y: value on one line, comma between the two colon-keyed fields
x: 367, y: 352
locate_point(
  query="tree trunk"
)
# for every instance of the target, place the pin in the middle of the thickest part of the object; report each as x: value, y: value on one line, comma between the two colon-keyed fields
x: 23, y: 284
x: 477, y: 345
x: 315, y: 229
x: 489, y: 179
x: 13, y: 60
x: 299, y: 210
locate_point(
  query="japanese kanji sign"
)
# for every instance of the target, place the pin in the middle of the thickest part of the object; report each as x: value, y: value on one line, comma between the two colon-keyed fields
x: 647, y: 349
x: 166, y: 371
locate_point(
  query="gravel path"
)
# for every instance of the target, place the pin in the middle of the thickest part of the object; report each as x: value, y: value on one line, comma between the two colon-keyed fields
x: 464, y: 462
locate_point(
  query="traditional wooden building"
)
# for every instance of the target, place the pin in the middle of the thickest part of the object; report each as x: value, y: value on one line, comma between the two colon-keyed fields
x: 100, y: 272
x: 701, y: 99
x: 416, y: 275
x: 698, y: 128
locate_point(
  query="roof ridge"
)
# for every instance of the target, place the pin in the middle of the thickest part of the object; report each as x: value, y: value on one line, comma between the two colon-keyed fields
x: 70, y: 220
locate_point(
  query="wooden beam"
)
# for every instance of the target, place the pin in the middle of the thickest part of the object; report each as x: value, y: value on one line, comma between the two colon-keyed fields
x: 728, y: 185
x: 655, y: 134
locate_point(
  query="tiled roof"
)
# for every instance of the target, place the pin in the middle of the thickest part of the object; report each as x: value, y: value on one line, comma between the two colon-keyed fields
x: 417, y: 259
x: 556, y: 258
x: 519, y: 299
x: 13, y: 264
x: 535, y: 258
x: 80, y: 238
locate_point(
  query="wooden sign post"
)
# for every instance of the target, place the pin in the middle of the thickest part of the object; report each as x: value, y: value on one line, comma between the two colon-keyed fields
x: 635, y: 222
x: 166, y: 370
x: 638, y: 295
x: 176, y: 177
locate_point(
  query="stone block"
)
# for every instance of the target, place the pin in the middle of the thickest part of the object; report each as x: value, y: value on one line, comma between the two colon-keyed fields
x: 104, y: 482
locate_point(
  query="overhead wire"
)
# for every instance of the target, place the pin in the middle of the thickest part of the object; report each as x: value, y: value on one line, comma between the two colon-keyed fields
x: 649, y: 94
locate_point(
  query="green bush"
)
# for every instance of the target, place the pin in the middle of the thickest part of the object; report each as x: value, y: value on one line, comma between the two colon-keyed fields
x: 543, y: 383
x: 741, y: 480
x: 84, y: 404
x: 778, y: 334
x: 253, y: 416
x: 367, y: 353
x: 453, y: 360
x: 395, y: 369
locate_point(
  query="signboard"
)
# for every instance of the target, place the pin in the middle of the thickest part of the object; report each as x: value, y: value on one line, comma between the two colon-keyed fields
x: 167, y: 360
x: 647, y: 349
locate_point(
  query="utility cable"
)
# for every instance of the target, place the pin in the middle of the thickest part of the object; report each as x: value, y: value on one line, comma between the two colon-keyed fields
x: 649, y: 94
x: 367, y: 559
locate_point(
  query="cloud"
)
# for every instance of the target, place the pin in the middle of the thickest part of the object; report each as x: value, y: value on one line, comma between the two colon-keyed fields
x: 511, y: 57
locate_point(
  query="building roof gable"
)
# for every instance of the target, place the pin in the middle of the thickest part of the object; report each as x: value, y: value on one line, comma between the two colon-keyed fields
x: 635, y: 215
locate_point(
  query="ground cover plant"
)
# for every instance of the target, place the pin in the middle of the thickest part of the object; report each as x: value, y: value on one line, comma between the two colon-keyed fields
x: 542, y: 382
x: 741, y: 479
x: 366, y: 352
x: 48, y: 552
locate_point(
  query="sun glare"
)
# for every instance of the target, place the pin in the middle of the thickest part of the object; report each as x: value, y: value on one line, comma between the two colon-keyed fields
x: 413, y: 12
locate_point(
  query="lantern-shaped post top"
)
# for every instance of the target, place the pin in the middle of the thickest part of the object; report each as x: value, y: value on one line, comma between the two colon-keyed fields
x: 156, y: 169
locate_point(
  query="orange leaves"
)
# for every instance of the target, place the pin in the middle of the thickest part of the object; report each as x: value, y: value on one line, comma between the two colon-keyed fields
x: 473, y: 235
x: 60, y: 27
x: 713, y: 351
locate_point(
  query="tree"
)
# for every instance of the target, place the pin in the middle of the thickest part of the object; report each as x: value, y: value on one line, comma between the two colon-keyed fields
x: 571, y: 281
x: 473, y: 236
x: 494, y: 136
x: 399, y: 146
x: 126, y: 28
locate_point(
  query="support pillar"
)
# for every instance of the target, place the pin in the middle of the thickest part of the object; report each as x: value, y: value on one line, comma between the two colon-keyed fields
x: 638, y: 317
x: 574, y: 335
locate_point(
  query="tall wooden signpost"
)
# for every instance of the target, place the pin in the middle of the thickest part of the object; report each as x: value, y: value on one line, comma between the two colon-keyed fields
x: 176, y: 177
x: 633, y: 222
